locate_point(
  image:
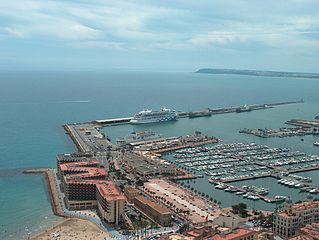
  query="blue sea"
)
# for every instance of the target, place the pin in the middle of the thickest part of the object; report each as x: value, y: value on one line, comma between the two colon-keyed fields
x: 34, y: 106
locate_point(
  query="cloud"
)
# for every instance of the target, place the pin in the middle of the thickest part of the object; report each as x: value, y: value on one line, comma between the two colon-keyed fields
x: 12, y: 32
x: 157, y: 27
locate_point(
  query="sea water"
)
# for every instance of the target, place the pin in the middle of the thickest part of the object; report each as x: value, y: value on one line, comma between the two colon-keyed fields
x: 34, y: 106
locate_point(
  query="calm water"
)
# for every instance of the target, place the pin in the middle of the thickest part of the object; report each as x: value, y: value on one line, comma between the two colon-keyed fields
x: 33, y: 106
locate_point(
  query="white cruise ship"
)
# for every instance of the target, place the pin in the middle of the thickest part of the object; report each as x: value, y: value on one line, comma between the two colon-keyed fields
x: 150, y: 116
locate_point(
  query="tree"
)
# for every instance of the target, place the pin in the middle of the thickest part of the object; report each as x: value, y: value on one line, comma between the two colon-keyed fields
x: 240, y: 209
x: 139, y: 182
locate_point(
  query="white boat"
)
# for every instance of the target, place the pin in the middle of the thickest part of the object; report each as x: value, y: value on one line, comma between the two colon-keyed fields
x: 315, y: 190
x: 220, y: 186
x: 246, y: 195
x: 280, y: 198
x: 253, y: 197
x: 240, y: 193
x: 153, y: 116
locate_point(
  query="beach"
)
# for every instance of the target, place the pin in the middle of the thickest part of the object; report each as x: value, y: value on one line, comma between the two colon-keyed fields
x: 72, y: 228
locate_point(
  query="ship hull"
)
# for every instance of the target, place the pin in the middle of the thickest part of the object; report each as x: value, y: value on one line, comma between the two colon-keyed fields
x: 156, y: 120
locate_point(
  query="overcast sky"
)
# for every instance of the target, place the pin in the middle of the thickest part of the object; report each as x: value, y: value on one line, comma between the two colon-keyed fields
x: 163, y: 35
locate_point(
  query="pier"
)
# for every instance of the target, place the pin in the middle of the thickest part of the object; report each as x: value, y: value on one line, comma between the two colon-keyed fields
x: 246, y: 178
x: 87, y: 138
x: 304, y: 123
x: 207, y: 112
x: 281, y: 132
x: 173, y: 144
x: 114, y: 121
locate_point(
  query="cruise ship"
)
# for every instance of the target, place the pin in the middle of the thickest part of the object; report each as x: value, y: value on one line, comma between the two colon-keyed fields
x: 153, y: 116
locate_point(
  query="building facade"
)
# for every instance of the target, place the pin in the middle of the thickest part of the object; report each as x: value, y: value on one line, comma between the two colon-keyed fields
x: 159, y: 214
x: 295, y: 216
x: 110, y: 202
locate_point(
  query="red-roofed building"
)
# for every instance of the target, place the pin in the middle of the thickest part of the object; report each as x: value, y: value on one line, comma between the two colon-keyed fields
x: 311, y: 232
x: 199, y: 233
x: 110, y: 202
x: 85, y: 186
x: 238, y: 234
x: 295, y: 216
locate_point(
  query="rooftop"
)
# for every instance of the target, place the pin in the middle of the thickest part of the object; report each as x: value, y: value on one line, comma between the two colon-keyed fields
x: 86, y: 169
x: 73, y: 165
x: 155, y: 206
x: 238, y: 233
x: 311, y: 230
x: 307, y: 205
x: 109, y: 191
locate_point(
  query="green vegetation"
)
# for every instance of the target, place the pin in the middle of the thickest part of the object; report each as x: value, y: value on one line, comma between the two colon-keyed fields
x: 240, y: 209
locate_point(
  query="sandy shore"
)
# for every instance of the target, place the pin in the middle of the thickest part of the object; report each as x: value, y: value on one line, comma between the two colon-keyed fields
x: 73, y: 229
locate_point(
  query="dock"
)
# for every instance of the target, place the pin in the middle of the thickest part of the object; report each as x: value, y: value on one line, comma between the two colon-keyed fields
x: 175, y: 143
x: 207, y: 112
x: 304, y: 123
x: 281, y: 132
x: 87, y: 137
x: 262, y: 197
x: 246, y: 178
x: 114, y: 121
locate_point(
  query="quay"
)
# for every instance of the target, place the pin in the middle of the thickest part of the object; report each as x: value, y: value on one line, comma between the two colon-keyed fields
x: 75, y: 138
x: 57, y: 207
x: 304, y: 123
x: 281, y: 132
x: 199, y: 113
x: 183, y: 177
x: 187, y: 145
x: 237, y: 109
x: 114, y: 121
x: 87, y: 137
x: 172, y: 144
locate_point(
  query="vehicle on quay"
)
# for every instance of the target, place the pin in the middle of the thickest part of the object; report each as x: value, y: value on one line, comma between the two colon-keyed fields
x: 154, y: 116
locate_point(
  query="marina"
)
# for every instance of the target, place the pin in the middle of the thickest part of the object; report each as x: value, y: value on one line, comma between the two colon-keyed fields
x: 224, y: 164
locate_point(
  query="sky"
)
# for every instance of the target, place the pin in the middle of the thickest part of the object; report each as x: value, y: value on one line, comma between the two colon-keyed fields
x: 159, y: 35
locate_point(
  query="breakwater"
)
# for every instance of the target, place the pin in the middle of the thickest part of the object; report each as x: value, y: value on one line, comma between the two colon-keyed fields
x: 52, y: 188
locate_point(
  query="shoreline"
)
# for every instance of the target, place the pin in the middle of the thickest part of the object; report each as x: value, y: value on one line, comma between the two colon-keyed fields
x: 81, y: 229
x: 58, y: 209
